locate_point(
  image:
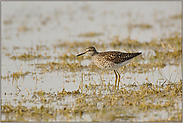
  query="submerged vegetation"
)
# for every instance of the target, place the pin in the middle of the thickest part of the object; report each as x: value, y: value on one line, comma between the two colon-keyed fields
x: 90, y: 34
x: 100, y: 102
x: 29, y: 57
x: 16, y: 75
x: 90, y: 99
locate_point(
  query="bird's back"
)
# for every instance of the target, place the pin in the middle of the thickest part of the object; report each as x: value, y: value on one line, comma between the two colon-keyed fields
x: 117, y: 57
x: 113, y: 59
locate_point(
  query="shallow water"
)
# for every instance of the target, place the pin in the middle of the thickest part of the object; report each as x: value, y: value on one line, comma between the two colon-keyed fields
x: 27, y: 24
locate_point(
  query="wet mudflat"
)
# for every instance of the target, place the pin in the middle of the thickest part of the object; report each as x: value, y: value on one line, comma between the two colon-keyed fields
x: 42, y: 80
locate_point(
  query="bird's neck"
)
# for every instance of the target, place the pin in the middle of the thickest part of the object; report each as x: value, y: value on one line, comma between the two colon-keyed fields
x: 94, y: 53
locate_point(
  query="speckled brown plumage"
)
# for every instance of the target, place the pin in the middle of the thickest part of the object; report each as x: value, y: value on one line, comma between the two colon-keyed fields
x: 117, y: 57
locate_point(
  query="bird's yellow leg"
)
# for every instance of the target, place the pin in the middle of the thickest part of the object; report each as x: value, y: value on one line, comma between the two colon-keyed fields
x: 116, y: 78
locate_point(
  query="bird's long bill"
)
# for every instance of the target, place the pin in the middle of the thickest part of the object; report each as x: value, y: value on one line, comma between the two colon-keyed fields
x: 81, y: 54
